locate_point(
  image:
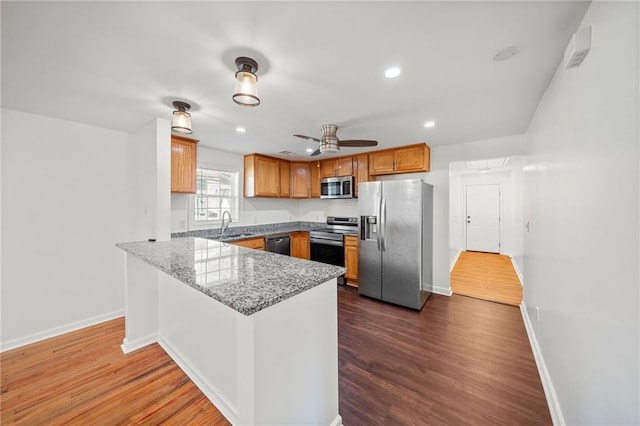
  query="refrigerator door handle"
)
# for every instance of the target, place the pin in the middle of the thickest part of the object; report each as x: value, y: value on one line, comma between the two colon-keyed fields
x: 383, y: 224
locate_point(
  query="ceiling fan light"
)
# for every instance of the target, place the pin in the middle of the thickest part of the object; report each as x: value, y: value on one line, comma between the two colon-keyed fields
x: 329, y: 145
x: 181, y: 121
x: 246, y: 93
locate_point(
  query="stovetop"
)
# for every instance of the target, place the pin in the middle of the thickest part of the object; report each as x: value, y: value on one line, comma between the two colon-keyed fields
x: 338, y: 225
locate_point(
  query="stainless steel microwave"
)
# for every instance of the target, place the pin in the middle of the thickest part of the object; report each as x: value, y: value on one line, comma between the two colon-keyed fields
x: 337, y: 187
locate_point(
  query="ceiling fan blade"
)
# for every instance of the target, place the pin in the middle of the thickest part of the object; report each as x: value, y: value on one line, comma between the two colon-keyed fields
x: 307, y: 137
x: 357, y: 143
x: 316, y: 152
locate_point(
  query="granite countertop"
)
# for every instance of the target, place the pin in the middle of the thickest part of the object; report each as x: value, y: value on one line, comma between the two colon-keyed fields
x: 245, y: 280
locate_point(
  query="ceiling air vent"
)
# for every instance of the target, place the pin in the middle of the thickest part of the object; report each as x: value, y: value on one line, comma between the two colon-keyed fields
x: 287, y: 153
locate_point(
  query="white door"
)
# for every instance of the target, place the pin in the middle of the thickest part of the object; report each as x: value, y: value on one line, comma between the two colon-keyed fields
x: 483, y: 218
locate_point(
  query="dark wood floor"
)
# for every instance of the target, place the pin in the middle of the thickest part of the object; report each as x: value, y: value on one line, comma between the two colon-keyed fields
x: 458, y: 361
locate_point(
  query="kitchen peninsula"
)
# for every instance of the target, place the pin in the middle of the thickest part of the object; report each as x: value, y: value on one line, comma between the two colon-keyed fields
x: 255, y: 331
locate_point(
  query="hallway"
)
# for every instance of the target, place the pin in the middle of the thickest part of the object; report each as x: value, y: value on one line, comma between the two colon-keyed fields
x: 486, y: 276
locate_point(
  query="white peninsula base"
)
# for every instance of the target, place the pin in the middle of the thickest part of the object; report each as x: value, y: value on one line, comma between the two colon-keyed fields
x: 278, y: 366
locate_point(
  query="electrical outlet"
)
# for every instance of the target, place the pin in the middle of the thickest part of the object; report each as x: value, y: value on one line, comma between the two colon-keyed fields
x: 183, y: 224
x: 537, y: 314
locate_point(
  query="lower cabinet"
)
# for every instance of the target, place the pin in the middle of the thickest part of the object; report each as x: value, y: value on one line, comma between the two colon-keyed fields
x: 254, y: 243
x: 351, y: 260
x: 299, y: 245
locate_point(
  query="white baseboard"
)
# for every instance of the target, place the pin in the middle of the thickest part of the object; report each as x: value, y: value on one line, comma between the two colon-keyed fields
x: 547, y: 384
x: 209, y: 390
x: 455, y: 259
x: 128, y: 346
x: 337, y: 421
x: 518, y: 272
x: 57, y: 331
x: 445, y: 291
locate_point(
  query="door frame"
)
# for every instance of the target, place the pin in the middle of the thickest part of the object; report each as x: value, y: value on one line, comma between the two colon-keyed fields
x: 464, y: 218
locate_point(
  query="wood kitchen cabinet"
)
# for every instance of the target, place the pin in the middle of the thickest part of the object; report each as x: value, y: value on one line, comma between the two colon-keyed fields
x: 299, y: 245
x: 360, y: 170
x: 254, y: 243
x: 332, y: 167
x: 285, y: 179
x: 406, y: 159
x: 314, y: 169
x: 184, y: 160
x: 262, y: 176
x: 301, y: 180
x: 351, y: 259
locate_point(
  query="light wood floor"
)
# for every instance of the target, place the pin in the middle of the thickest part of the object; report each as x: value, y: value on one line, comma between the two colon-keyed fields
x: 459, y: 361
x: 83, y: 378
x: 486, y: 276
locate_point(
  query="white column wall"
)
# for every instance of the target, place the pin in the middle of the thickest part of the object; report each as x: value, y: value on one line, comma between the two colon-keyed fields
x: 582, y: 201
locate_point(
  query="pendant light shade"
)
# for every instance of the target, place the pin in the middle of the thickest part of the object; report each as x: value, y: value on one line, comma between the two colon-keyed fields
x: 181, y: 122
x: 246, y: 93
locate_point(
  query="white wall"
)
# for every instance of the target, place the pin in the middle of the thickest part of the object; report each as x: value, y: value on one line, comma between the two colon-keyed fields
x: 581, y: 254
x: 64, y: 206
x: 511, y: 206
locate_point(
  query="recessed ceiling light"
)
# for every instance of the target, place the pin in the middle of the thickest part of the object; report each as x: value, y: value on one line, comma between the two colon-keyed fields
x: 429, y: 124
x: 240, y: 129
x: 392, y: 72
x: 309, y: 150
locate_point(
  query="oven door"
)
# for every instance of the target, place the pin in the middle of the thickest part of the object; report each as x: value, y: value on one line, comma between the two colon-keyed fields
x: 327, y: 251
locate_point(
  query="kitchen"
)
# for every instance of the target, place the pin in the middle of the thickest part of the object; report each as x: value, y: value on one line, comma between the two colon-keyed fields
x: 96, y: 191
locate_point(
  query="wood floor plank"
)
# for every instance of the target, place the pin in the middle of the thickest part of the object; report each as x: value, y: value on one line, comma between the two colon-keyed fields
x: 486, y: 276
x: 458, y: 361
x: 84, y: 378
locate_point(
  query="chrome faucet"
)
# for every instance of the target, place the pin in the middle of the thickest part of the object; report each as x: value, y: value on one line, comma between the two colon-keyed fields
x: 225, y: 226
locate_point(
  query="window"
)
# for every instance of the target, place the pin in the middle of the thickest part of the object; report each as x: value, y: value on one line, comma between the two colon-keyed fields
x: 216, y: 191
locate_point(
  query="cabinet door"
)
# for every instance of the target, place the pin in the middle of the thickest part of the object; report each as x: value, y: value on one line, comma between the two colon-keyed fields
x: 254, y: 243
x: 361, y: 170
x: 300, y: 180
x: 285, y: 183
x: 351, y: 259
x: 267, y: 177
x: 315, y: 179
x: 344, y: 166
x: 411, y: 159
x: 184, y: 156
x: 299, y: 245
x: 328, y: 168
x: 381, y: 162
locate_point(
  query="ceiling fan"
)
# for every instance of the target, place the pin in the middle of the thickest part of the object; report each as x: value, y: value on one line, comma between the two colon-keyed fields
x: 329, y: 142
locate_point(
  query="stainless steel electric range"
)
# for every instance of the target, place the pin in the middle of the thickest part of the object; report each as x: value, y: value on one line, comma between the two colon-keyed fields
x: 327, y: 242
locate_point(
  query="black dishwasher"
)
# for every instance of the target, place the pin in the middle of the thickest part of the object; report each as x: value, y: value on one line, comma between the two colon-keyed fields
x: 278, y: 244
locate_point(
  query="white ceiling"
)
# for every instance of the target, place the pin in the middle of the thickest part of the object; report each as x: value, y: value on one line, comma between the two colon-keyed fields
x: 119, y: 64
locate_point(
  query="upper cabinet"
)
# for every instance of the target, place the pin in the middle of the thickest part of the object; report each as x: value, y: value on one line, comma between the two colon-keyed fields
x: 341, y: 166
x: 285, y: 179
x: 184, y: 160
x: 406, y: 159
x: 361, y: 170
x: 314, y: 169
x: 301, y: 180
x: 261, y: 176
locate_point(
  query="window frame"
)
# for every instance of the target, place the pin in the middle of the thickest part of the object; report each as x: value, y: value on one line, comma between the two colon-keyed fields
x: 204, y: 224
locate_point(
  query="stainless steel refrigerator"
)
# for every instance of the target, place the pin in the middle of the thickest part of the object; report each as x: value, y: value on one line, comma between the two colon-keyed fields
x: 395, y: 244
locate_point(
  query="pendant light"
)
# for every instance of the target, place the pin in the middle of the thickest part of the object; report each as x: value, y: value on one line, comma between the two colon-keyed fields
x: 246, y: 93
x: 181, y: 121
